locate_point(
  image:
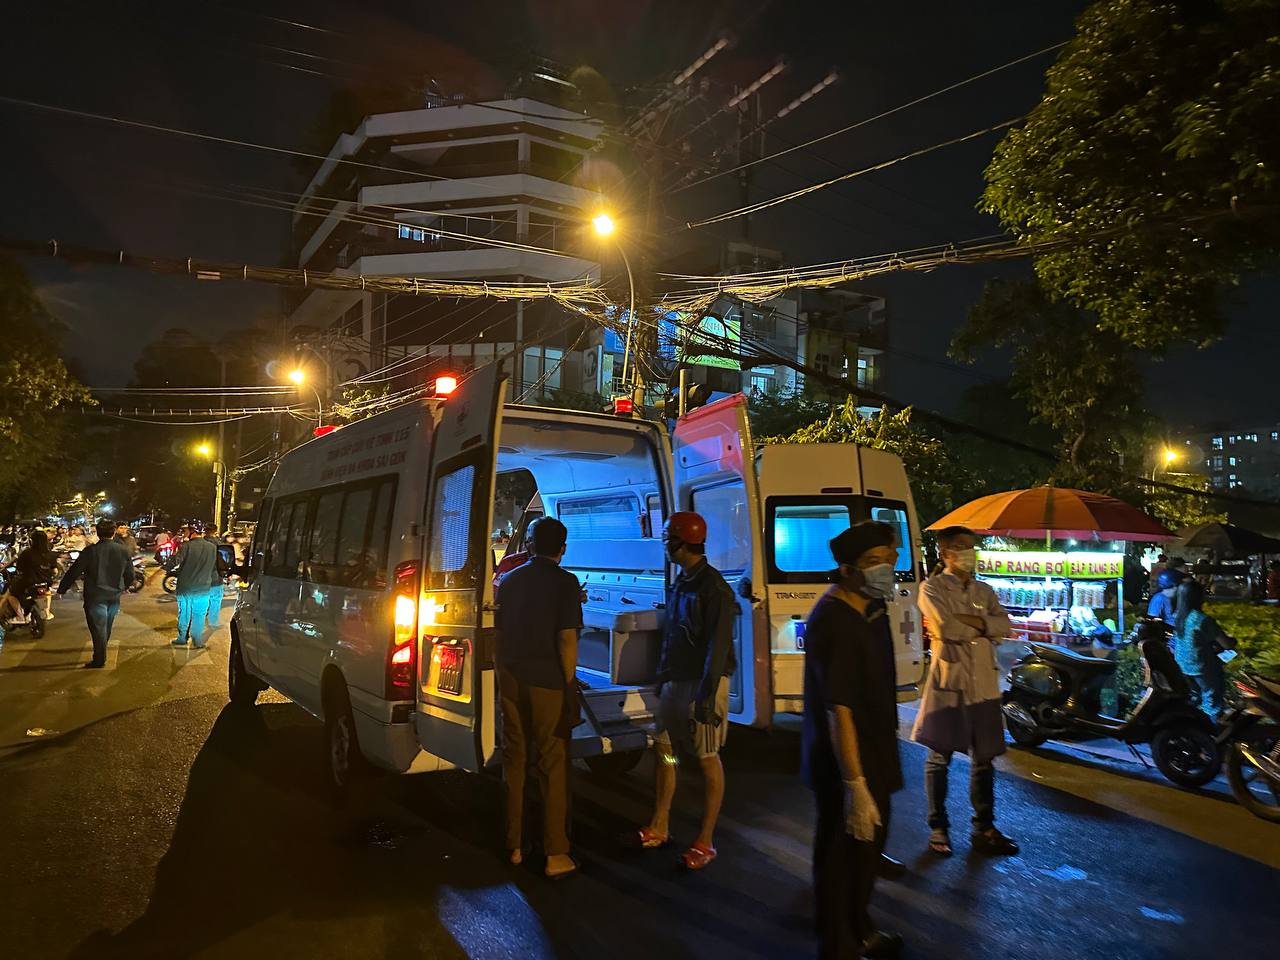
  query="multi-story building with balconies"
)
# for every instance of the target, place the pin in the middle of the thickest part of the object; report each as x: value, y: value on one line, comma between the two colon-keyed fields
x: 427, y: 193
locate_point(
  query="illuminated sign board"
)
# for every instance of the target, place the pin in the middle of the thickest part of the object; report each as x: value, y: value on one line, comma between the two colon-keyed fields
x: 723, y: 332
x: 1073, y: 566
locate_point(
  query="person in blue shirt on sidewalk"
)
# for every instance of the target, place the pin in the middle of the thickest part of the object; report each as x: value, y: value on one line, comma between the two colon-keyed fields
x: 196, y: 563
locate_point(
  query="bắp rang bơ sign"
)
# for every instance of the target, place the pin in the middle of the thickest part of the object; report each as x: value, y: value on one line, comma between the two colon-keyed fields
x: 1073, y: 566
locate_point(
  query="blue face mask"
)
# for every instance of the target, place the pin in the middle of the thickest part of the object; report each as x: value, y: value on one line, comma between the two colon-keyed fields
x: 879, y: 580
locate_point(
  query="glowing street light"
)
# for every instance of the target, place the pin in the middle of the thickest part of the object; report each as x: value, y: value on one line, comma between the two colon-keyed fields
x: 606, y: 227
x: 298, y: 376
x: 1170, y: 456
x: 204, y: 450
x: 603, y: 224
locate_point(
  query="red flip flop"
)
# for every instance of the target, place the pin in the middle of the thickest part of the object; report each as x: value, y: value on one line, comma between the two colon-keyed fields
x: 697, y: 856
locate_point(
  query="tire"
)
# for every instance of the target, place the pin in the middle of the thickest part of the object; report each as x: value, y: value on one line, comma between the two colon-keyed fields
x: 610, y: 765
x: 242, y: 687
x: 37, y: 625
x: 342, y: 745
x: 170, y: 583
x: 1242, y: 775
x: 1022, y: 735
x: 1186, y: 753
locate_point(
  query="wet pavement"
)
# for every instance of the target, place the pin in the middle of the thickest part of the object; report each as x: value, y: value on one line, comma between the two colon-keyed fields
x: 149, y: 819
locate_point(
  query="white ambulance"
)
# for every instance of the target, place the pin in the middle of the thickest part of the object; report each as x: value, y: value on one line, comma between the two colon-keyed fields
x: 370, y: 598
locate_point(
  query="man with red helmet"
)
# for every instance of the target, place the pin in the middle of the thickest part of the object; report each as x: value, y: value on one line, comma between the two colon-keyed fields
x: 693, y: 684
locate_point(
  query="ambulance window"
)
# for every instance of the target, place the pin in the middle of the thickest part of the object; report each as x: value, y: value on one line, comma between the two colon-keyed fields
x: 451, y: 530
x: 278, y: 542
x: 380, y: 530
x: 724, y: 507
x: 601, y: 518
x: 324, y: 536
x: 800, y: 535
x: 653, y: 515
x: 356, y: 568
x: 895, y: 514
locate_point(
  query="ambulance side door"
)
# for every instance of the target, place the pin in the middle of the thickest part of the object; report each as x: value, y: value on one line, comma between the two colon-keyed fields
x: 457, y: 687
x: 714, y: 474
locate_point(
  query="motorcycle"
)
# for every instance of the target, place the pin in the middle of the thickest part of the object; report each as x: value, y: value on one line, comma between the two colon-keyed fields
x: 1054, y: 693
x: 1253, y: 762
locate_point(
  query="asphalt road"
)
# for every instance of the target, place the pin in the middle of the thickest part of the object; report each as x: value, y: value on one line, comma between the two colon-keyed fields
x: 143, y: 817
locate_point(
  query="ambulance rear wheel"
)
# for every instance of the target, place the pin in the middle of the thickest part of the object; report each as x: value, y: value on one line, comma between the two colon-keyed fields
x: 610, y: 765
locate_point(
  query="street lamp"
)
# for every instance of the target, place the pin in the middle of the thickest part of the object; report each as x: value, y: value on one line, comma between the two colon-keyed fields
x: 1170, y: 457
x: 299, y: 376
x: 219, y: 472
x: 606, y: 227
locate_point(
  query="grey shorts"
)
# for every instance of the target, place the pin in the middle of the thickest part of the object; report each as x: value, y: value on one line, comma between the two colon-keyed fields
x: 675, y: 729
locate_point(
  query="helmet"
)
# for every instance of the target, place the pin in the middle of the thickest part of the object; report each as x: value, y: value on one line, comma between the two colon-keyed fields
x: 686, y: 527
x: 1169, y: 578
x: 196, y: 526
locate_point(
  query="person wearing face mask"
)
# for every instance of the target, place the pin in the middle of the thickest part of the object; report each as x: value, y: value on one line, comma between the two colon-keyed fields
x: 1162, y: 605
x: 849, y: 744
x: 693, y: 685
x: 960, y: 704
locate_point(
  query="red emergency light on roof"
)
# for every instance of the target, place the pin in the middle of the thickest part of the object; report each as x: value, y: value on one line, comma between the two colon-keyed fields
x: 624, y: 405
x: 324, y: 429
x: 446, y: 386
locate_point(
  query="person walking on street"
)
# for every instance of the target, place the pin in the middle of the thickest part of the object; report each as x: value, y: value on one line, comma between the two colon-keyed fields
x: 125, y: 536
x: 1198, y: 639
x: 849, y: 745
x: 75, y: 540
x: 960, y: 705
x: 694, y: 667
x: 196, y: 562
x: 538, y: 621
x: 108, y: 572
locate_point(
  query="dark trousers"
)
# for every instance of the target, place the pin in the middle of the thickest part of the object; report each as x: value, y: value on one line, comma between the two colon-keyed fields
x: 101, y: 617
x: 982, y: 791
x: 530, y: 716
x: 844, y: 874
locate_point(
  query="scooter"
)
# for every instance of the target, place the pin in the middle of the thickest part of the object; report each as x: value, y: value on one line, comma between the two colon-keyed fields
x: 1253, y: 762
x: 1054, y: 693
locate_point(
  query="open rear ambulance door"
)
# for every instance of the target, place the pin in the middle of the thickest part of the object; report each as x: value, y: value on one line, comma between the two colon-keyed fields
x: 715, y: 476
x: 457, y: 696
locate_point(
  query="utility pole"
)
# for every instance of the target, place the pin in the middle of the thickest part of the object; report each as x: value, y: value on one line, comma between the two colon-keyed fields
x: 219, y: 455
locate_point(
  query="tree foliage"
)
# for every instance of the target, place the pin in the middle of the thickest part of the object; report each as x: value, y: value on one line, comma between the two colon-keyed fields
x: 1178, y: 510
x: 37, y: 396
x: 1157, y: 111
x: 1077, y: 379
x: 938, y: 481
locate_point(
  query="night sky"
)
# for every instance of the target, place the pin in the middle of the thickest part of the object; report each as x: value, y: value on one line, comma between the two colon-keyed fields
x: 220, y: 69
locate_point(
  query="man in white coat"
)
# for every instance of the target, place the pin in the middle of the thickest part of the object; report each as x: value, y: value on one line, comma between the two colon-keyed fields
x: 960, y: 706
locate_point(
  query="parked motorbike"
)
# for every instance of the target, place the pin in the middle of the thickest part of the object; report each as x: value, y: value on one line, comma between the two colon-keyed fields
x: 1253, y: 761
x: 1054, y: 693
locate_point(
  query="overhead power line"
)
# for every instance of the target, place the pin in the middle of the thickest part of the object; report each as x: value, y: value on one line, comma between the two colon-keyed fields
x: 813, y: 188
x: 872, y: 119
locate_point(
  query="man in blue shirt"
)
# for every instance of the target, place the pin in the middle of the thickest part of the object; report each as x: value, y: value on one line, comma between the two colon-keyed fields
x: 1162, y: 605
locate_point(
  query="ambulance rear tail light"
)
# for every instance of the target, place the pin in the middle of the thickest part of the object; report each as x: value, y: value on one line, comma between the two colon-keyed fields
x: 624, y: 406
x: 403, y: 655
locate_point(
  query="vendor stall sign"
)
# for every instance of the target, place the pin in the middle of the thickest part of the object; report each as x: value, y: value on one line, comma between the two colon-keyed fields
x: 1073, y: 566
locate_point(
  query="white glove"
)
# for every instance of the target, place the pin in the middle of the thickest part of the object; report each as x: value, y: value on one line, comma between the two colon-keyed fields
x: 861, y: 815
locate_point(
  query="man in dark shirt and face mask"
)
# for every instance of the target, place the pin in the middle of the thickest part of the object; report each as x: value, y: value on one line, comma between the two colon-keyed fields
x: 850, y: 739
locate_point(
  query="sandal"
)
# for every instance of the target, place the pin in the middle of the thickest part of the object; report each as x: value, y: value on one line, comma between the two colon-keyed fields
x: 994, y: 842
x: 647, y: 839
x: 697, y: 856
x: 940, y: 843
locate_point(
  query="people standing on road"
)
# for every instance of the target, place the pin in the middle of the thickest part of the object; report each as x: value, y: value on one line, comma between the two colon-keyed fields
x: 221, y: 568
x: 960, y: 705
x: 196, y: 563
x: 75, y: 540
x: 849, y: 746
x: 537, y: 651
x: 694, y: 667
x: 1157, y: 568
x: 1273, y: 580
x: 1162, y: 603
x: 1198, y: 639
x: 124, y: 535
x: 108, y: 572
